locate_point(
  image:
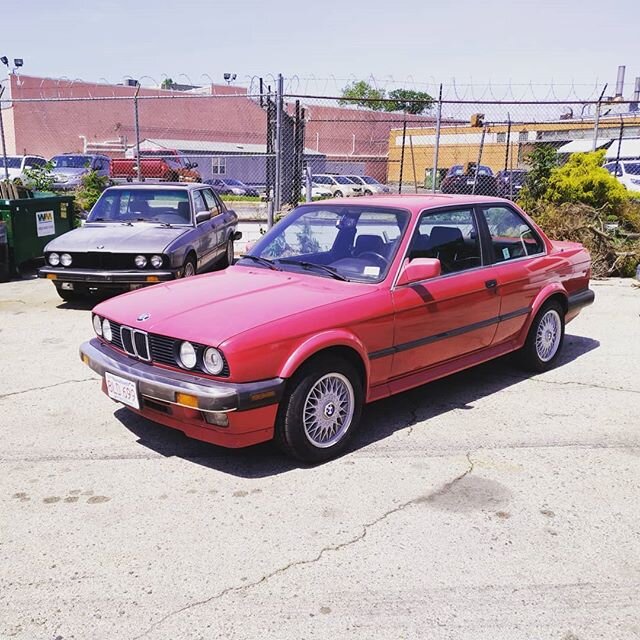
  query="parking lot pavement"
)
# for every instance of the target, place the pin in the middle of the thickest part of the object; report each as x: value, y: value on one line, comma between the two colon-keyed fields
x: 488, y: 505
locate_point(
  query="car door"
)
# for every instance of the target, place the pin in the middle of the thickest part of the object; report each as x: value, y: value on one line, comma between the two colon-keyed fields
x: 207, y: 241
x: 517, y: 253
x: 220, y: 220
x: 455, y: 313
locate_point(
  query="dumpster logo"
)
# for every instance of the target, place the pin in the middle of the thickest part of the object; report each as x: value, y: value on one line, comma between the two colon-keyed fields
x: 45, y: 224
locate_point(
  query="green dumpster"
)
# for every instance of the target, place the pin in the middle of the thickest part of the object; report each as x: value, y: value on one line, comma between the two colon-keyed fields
x: 33, y: 222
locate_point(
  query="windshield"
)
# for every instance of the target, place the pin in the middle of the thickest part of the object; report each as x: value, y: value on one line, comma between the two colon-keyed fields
x: 369, y: 180
x: 342, y: 180
x: 234, y: 183
x: 633, y: 168
x: 355, y: 242
x: 166, y: 206
x: 321, y: 180
x: 71, y: 162
x: 13, y: 162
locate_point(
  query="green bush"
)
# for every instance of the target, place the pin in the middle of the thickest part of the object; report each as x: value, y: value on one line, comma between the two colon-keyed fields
x: 91, y: 187
x: 39, y: 178
x: 583, y: 179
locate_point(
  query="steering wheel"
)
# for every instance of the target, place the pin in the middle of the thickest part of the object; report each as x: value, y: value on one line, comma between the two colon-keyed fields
x: 376, y: 256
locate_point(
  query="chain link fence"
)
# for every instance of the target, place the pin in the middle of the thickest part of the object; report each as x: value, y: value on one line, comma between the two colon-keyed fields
x: 273, y: 146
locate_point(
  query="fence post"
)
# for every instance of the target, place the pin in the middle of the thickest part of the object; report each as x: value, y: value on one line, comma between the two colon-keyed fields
x: 278, y: 150
x: 137, y: 125
x: 475, y: 178
x: 4, y: 148
x: 436, y: 147
x: 597, y: 119
x: 308, y: 183
x: 619, y: 144
x: 404, y: 136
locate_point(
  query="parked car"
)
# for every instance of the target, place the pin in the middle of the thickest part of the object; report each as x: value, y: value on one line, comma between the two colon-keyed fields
x: 339, y: 185
x: 16, y: 166
x: 510, y: 182
x: 231, y: 186
x: 69, y: 168
x: 628, y: 173
x: 318, y: 192
x: 462, y: 179
x: 162, y: 165
x: 137, y: 235
x: 369, y: 185
x: 339, y: 304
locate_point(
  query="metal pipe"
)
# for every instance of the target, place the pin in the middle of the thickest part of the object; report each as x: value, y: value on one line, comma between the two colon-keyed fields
x: 413, y: 162
x: 436, y: 148
x: 620, y: 81
x: 4, y: 148
x: 619, y: 143
x: 137, y: 125
x: 636, y: 90
x: 404, y: 136
x: 308, y: 183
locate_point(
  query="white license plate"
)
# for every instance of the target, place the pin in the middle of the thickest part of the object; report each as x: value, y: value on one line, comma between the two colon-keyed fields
x: 471, y: 182
x: 122, y: 390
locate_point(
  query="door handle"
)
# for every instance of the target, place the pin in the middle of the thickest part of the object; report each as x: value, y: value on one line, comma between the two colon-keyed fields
x: 491, y: 284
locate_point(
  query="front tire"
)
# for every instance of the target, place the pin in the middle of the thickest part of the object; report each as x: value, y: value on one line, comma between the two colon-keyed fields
x: 545, y: 338
x: 320, y: 411
x: 337, y: 194
x: 189, y: 268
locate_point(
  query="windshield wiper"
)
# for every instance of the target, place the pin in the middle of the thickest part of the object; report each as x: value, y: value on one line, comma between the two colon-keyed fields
x: 260, y: 260
x: 334, y: 273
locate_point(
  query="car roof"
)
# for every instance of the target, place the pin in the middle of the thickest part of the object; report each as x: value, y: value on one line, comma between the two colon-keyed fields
x: 191, y: 186
x: 415, y: 203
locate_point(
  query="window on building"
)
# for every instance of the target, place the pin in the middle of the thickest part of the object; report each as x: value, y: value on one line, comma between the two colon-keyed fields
x: 523, y: 136
x: 218, y: 166
x: 501, y: 137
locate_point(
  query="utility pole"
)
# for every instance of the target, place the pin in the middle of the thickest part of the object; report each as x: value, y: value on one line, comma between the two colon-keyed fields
x: 135, y: 108
x: 4, y: 148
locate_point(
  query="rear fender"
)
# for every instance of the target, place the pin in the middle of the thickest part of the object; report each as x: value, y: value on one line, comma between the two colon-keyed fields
x: 320, y: 342
x: 552, y: 289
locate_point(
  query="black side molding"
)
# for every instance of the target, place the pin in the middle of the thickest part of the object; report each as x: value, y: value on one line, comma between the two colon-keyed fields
x: 581, y: 299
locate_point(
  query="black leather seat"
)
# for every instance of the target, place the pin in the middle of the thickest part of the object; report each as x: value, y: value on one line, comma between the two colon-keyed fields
x: 369, y: 243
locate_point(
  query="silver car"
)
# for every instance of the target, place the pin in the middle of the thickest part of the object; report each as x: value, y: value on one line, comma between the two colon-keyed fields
x: 369, y: 185
x: 68, y: 168
x: 338, y: 185
x: 141, y: 234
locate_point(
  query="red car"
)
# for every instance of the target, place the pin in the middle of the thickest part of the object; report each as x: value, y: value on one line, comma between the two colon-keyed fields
x: 339, y: 304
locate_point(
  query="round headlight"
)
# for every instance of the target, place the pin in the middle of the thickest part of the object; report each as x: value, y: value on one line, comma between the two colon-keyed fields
x: 106, y: 330
x: 212, y: 360
x: 65, y: 260
x: 97, y: 325
x: 54, y: 259
x: 141, y: 262
x: 187, y: 355
x: 156, y: 262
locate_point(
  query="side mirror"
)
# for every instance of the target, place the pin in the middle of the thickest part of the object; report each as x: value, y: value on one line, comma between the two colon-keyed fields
x: 419, y: 269
x: 191, y: 165
x: 202, y: 216
x: 237, y: 235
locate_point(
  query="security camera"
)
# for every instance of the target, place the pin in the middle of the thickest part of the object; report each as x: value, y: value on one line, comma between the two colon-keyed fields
x: 4, y: 60
x: 227, y: 76
x: 18, y: 62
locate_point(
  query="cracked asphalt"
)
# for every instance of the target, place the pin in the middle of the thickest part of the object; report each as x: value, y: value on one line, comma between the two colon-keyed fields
x: 491, y: 504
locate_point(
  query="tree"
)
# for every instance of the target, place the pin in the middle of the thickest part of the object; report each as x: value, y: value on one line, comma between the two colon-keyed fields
x: 364, y: 95
x: 168, y: 83
x: 409, y: 101
x: 542, y: 160
x: 39, y: 178
x: 91, y: 187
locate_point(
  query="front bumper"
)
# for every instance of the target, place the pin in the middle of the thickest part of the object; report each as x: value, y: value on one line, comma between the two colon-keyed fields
x: 100, y: 277
x: 164, y: 385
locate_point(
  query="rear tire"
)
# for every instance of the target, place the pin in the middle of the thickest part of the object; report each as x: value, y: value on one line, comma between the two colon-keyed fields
x: 545, y: 338
x: 320, y: 410
x: 337, y: 194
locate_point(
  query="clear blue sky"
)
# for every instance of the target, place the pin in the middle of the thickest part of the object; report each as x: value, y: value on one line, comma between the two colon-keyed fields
x: 487, y: 40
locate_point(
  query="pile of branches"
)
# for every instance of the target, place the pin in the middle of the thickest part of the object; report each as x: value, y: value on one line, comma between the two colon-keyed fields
x: 613, y: 242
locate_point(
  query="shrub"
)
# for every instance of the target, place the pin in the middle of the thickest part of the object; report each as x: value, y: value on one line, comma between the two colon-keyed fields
x: 91, y: 187
x: 39, y: 178
x: 583, y: 179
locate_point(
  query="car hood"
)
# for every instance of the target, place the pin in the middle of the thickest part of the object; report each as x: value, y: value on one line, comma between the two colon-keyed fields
x: 213, y: 308
x: 140, y: 237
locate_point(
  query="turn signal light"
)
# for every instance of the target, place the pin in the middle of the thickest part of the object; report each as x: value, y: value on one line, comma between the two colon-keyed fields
x: 52, y: 276
x: 187, y: 400
x: 152, y: 279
